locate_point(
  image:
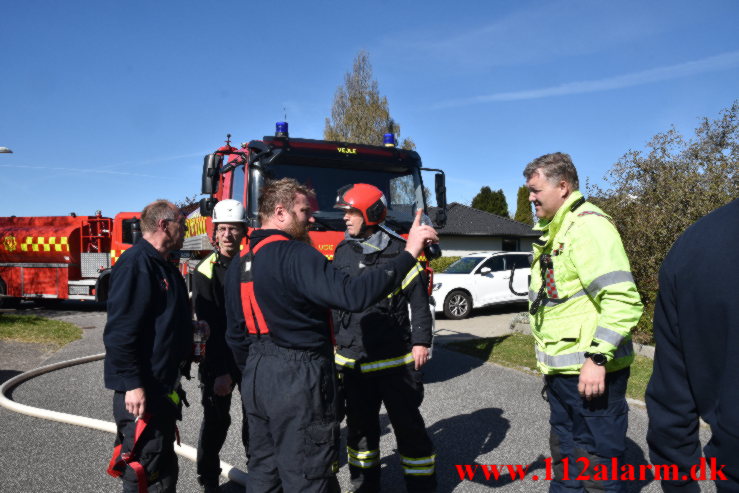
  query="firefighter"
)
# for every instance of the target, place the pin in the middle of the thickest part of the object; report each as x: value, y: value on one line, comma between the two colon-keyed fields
x: 380, y: 350
x: 217, y: 370
x: 277, y: 300
x: 696, y: 328
x: 148, y: 342
x: 584, y: 305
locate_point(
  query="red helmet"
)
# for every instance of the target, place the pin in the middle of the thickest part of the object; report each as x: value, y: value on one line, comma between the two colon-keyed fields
x: 367, y: 199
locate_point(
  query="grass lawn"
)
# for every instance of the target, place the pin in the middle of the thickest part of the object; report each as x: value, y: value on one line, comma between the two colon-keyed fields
x: 517, y: 351
x: 30, y: 328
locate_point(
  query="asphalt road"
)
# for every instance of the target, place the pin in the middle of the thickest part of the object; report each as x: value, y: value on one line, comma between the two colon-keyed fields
x: 476, y: 413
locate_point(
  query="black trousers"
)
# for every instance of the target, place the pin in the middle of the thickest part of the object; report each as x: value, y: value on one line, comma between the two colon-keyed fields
x: 155, y: 447
x: 401, y: 390
x: 214, y: 428
x: 290, y: 401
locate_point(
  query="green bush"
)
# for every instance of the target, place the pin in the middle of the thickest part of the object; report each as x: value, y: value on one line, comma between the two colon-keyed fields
x: 441, y: 263
x: 644, y: 332
x: 655, y: 194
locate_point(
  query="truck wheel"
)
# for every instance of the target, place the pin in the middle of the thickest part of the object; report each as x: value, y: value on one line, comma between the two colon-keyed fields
x: 457, y: 305
x: 102, y: 287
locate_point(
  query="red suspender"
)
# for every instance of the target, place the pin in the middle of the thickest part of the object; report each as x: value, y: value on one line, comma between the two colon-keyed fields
x: 119, y: 461
x: 255, y: 323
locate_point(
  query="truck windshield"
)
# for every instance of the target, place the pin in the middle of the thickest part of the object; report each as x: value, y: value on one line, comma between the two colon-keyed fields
x: 402, y: 189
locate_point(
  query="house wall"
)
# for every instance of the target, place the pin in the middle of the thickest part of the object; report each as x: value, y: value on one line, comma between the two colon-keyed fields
x: 527, y: 244
x: 459, y: 246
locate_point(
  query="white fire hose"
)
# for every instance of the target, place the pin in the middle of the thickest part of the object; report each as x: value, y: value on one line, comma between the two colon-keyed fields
x: 227, y: 470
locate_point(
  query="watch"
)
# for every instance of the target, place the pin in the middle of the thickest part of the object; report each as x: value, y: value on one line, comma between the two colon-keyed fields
x: 598, y: 358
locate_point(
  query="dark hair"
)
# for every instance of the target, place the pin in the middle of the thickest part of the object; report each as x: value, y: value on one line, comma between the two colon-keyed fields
x: 280, y: 192
x: 555, y: 167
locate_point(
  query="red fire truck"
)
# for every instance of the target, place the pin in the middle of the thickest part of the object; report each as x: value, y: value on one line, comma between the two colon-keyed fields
x: 61, y: 257
x: 239, y: 173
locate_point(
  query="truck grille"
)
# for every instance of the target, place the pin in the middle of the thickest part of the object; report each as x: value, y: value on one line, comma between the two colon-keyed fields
x: 79, y: 289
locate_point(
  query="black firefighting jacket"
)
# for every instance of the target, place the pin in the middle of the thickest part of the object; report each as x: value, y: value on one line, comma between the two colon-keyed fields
x: 210, y: 305
x: 295, y: 286
x: 148, y: 335
x: 381, y: 336
x: 696, y: 374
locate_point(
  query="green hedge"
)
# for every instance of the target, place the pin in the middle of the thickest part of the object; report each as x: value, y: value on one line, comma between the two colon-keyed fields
x: 441, y: 263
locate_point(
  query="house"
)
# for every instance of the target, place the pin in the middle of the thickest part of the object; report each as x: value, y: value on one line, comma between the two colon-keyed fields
x: 470, y: 230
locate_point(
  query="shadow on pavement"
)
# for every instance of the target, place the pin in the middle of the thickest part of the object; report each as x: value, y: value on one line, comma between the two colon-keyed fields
x: 64, y: 306
x: 447, y: 364
x: 6, y: 375
x: 635, y: 457
x: 462, y: 439
x: 458, y: 440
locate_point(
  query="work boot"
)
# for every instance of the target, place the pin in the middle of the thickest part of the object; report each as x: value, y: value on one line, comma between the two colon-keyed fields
x: 210, y: 487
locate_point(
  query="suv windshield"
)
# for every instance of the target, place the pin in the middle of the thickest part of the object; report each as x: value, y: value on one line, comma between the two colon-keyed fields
x: 463, y: 265
x: 401, y: 189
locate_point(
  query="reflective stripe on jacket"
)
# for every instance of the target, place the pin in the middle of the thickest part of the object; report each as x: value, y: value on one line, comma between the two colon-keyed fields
x: 205, y: 267
x: 591, y: 302
x: 373, y: 366
x: 381, y: 337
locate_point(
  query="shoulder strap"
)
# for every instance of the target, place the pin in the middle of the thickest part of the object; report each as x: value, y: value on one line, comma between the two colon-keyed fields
x: 253, y: 316
x: 267, y: 241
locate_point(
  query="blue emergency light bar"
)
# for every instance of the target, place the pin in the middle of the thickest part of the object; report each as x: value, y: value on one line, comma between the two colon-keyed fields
x: 281, y: 129
x: 388, y: 140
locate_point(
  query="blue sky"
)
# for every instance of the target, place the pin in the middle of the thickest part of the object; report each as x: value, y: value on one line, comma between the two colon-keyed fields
x: 109, y: 104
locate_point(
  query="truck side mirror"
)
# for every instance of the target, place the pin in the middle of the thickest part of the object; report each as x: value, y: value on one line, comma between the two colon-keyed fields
x: 135, y: 231
x: 206, y: 206
x: 211, y: 166
x: 440, y: 219
x: 440, y: 189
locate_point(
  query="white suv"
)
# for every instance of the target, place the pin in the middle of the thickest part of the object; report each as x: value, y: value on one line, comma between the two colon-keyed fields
x: 481, y: 279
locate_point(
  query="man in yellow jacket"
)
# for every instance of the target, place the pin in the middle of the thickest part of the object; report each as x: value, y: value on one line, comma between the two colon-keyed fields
x: 583, y: 304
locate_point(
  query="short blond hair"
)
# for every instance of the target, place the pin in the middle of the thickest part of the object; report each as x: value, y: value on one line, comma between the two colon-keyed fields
x: 155, y: 212
x: 281, y: 192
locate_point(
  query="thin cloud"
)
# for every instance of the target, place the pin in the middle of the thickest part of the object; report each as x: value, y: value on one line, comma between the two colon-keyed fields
x: 79, y: 170
x: 530, y: 33
x: 710, y: 64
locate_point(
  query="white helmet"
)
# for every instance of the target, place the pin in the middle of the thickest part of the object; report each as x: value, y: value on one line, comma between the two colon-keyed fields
x: 229, y: 211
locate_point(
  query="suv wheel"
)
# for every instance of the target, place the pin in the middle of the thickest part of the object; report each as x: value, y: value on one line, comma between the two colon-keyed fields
x: 457, y: 305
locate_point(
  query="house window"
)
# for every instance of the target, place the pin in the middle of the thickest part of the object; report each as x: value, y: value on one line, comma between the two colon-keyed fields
x: 511, y: 245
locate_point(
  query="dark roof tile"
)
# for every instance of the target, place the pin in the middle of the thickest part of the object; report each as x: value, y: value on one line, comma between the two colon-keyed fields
x: 464, y: 220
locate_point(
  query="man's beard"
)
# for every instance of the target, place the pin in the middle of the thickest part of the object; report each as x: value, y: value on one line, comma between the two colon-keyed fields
x: 299, y: 231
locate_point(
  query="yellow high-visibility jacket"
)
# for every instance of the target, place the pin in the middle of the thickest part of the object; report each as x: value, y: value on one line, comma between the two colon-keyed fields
x: 590, y: 301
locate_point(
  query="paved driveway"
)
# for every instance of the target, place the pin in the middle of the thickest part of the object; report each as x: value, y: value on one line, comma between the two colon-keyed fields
x: 477, y: 413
